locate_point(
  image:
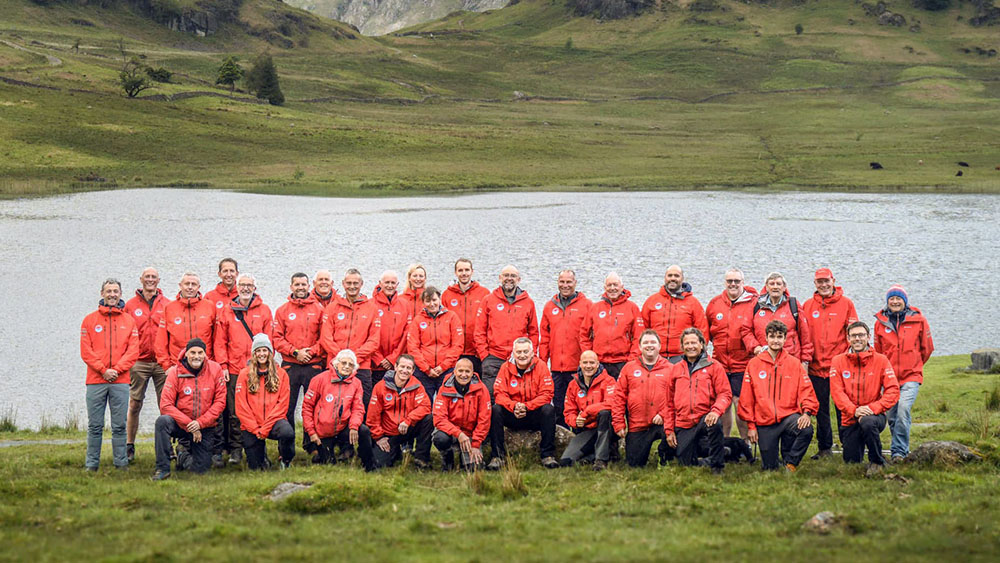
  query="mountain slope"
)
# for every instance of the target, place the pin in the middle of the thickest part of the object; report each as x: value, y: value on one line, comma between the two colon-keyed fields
x: 378, y: 17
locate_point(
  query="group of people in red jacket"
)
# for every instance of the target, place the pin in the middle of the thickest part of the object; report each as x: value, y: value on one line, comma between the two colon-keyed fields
x: 414, y: 366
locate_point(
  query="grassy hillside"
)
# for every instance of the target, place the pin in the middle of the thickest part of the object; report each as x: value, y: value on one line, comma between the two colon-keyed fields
x: 670, y: 99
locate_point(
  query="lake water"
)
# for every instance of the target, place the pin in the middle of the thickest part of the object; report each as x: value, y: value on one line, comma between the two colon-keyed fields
x: 57, y: 251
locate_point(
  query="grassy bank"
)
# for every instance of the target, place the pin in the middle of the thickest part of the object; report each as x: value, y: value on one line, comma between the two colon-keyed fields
x: 668, y: 100
x: 52, y: 509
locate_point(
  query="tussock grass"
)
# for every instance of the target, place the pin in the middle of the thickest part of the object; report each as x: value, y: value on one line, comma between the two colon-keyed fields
x: 8, y: 419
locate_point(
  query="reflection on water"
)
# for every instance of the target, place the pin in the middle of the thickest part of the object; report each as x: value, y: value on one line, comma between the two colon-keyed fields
x: 57, y: 251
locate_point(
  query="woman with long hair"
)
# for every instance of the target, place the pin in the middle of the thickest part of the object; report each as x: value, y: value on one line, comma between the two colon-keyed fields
x: 262, y: 406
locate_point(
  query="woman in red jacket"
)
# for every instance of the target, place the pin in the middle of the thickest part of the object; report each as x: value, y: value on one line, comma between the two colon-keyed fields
x: 262, y: 406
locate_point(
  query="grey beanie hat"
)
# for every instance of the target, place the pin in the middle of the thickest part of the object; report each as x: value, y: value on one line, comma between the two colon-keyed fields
x: 260, y: 340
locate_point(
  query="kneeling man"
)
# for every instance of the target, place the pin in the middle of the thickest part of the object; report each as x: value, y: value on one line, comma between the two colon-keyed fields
x: 587, y: 410
x: 398, y: 413
x: 462, y: 417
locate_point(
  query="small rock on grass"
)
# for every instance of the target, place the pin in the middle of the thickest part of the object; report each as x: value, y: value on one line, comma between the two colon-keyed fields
x: 284, y: 490
x: 822, y: 523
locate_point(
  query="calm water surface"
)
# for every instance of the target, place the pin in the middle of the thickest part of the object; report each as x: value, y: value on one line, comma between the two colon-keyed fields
x: 57, y: 251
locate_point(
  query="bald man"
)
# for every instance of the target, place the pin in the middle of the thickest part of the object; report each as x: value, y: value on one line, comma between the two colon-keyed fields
x: 587, y: 411
x: 146, y: 309
x: 672, y: 310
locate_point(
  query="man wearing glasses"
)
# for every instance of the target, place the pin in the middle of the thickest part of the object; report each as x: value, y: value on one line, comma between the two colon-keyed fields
x: 726, y: 313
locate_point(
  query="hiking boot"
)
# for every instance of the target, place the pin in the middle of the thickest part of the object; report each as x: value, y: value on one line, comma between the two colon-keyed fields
x: 160, y: 475
x: 264, y: 466
x: 897, y: 459
x: 790, y: 468
x: 600, y: 465
x: 122, y: 467
x: 421, y: 465
x: 283, y: 465
x: 822, y: 453
x: 184, y: 461
x: 874, y: 470
x: 317, y: 459
x: 550, y: 463
x: 236, y: 457
x: 447, y: 461
x: 717, y: 471
x: 345, y: 454
x: 130, y: 452
x: 495, y: 464
x: 90, y: 469
x: 217, y: 461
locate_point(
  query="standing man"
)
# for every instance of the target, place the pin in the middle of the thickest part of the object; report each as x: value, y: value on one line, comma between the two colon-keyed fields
x: 399, y: 413
x: 726, y: 314
x: 673, y: 309
x: 189, y: 316
x: 296, y: 338
x: 864, y: 387
x: 225, y: 291
x: 559, y: 334
x: 828, y: 313
x: 109, y: 345
x: 523, y: 402
x: 462, y: 415
x: 902, y: 334
x: 639, y: 408
x: 613, y: 326
x: 146, y: 309
x: 776, y: 304
x: 235, y: 328
x: 323, y: 287
x: 777, y: 401
x: 588, y: 413
x: 504, y: 316
x: 394, y: 316
x: 351, y: 323
x: 463, y: 298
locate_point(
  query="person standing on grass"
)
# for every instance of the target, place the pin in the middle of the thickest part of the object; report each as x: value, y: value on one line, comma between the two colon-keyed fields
x: 146, y: 309
x: 673, y: 309
x: 777, y: 401
x: 351, y: 323
x: 864, y: 387
x: 588, y: 412
x: 903, y: 334
x: 333, y: 412
x: 726, y: 313
x: 189, y: 316
x: 612, y: 327
x: 399, y: 413
x: 462, y: 418
x: 434, y: 340
x: 463, y: 298
x: 394, y: 317
x: 109, y: 345
x: 828, y: 313
x: 698, y: 394
x: 559, y: 335
x: 194, y: 395
x: 639, y: 408
x: 505, y: 315
x: 776, y: 304
x: 262, y: 397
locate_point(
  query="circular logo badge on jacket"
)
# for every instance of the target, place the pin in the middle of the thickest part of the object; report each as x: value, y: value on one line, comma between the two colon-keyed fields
x: 815, y: 314
x: 340, y: 316
x: 138, y: 312
x: 602, y: 314
x: 555, y: 310
x: 291, y: 316
x: 187, y: 390
x: 847, y: 375
x: 718, y: 317
x: 381, y: 312
x: 581, y: 394
x: 454, y: 399
x: 513, y: 383
x: 423, y: 326
x: 177, y: 321
x: 388, y: 398
x: 454, y: 302
x: 637, y: 373
x: 98, y: 328
x: 329, y: 398
x: 219, y: 304
x: 762, y: 374
x: 499, y: 306
x: 760, y: 314
x: 888, y: 330
x: 658, y: 306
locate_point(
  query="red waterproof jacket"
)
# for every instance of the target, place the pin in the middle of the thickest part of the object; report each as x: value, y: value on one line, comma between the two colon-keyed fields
x: 182, y: 320
x: 612, y: 329
x: 725, y: 328
x: 775, y: 388
x: 188, y: 397
x: 394, y: 317
x: 669, y: 315
x: 534, y: 388
x: 909, y: 347
x: 232, y: 341
x: 108, y: 340
x: 435, y: 341
x: 865, y: 379
x: 220, y: 296
x: 147, y: 317
x: 641, y: 394
x: 470, y: 413
x: 354, y: 326
x: 559, y: 333
x: 296, y: 327
x: 390, y: 406
x: 332, y: 404
x: 466, y: 306
x: 500, y: 322
x: 828, y: 318
x: 798, y: 342
x: 412, y: 301
x: 694, y: 392
x: 588, y: 400
x: 259, y: 411
x: 323, y: 301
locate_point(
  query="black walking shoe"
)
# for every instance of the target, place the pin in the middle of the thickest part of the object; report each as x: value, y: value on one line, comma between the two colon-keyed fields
x: 600, y: 465
x: 160, y: 475
x: 236, y: 457
x: 130, y: 452
x: 184, y: 461
x: 550, y: 463
x: 218, y: 462
x: 495, y: 464
x: 421, y: 465
x: 821, y: 454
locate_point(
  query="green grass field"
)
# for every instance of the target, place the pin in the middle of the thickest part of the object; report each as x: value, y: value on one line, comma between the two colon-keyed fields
x: 52, y: 510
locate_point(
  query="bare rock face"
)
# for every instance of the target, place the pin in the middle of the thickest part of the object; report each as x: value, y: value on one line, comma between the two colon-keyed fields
x: 985, y: 358
x: 942, y: 453
x: 378, y: 17
x: 890, y: 18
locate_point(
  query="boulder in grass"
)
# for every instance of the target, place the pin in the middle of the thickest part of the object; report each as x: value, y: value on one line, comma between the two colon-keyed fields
x: 285, y: 490
x: 527, y: 441
x: 985, y: 358
x: 943, y: 453
x: 822, y: 523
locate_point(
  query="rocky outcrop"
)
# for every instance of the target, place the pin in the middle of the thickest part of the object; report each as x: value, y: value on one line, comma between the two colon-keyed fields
x: 985, y: 358
x: 942, y: 453
x: 378, y: 17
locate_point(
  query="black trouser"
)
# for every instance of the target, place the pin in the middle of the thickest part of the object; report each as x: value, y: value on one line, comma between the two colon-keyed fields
x: 541, y: 419
x: 491, y: 367
x: 325, y: 451
x: 365, y: 377
x: 638, y: 444
x: 299, y: 375
x: 256, y: 449
x: 431, y: 384
x: 688, y: 439
x: 201, y: 452
x: 421, y: 432
x: 864, y: 432
x: 231, y: 439
x: 446, y: 445
x: 590, y: 441
x: 824, y: 431
x: 793, y: 442
x: 560, y: 382
x: 613, y: 369
x: 477, y: 364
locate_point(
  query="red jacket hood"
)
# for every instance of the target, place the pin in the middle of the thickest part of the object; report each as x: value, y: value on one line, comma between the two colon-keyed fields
x: 343, y: 302
x: 116, y: 309
x: 455, y: 287
x: 308, y: 300
x: 555, y: 299
x: 188, y: 302
x: 519, y: 294
x: 476, y: 385
x: 838, y: 293
x: 684, y: 293
x: 625, y: 296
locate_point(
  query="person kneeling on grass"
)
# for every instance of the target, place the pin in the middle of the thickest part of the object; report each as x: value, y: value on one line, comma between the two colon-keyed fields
x: 698, y: 394
x: 587, y: 410
x: 261, y: 396
x: 398, y: 413
x: 523, y: 392
x: 462, y: 417
x: 193, y: 397
x: 333, y: 411
x: 777, y: 401
x: 864, y: 387
x: 639, y: 408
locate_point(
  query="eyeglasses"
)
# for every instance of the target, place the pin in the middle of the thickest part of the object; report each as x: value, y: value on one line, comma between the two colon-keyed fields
x: 856, y: 336
x: 245, y: 285
x: 733, y: 282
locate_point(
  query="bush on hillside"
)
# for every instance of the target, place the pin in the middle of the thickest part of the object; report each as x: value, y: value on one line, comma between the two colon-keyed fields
x: 609, y: 9
x: 159, y: 74
x: 703, y: 6
x: 262, y: 80
x: 932, y: 5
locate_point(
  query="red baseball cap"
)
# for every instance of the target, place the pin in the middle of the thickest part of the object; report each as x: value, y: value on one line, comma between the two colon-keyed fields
x: 823, y: 273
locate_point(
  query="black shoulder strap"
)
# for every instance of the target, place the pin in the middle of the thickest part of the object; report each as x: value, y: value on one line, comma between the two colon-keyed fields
x: 239, y: 315
x: 793, y: 304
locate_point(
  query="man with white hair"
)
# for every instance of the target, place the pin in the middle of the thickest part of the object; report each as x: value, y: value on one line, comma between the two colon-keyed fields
x: 776, y: 304
x: 323, y: 289
x: 726, y: 313
x: 189, y: 316
x: 333, y: 412
x: 559, y: 335
x: 505, y: 315
x: 394, y: 317
x: 613, y: 326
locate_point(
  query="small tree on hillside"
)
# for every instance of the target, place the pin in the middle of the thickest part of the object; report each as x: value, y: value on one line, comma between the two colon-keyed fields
x: 263, y: 80
x: 230, y: 73
x: 133, y: 78
x: 798, y: 29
